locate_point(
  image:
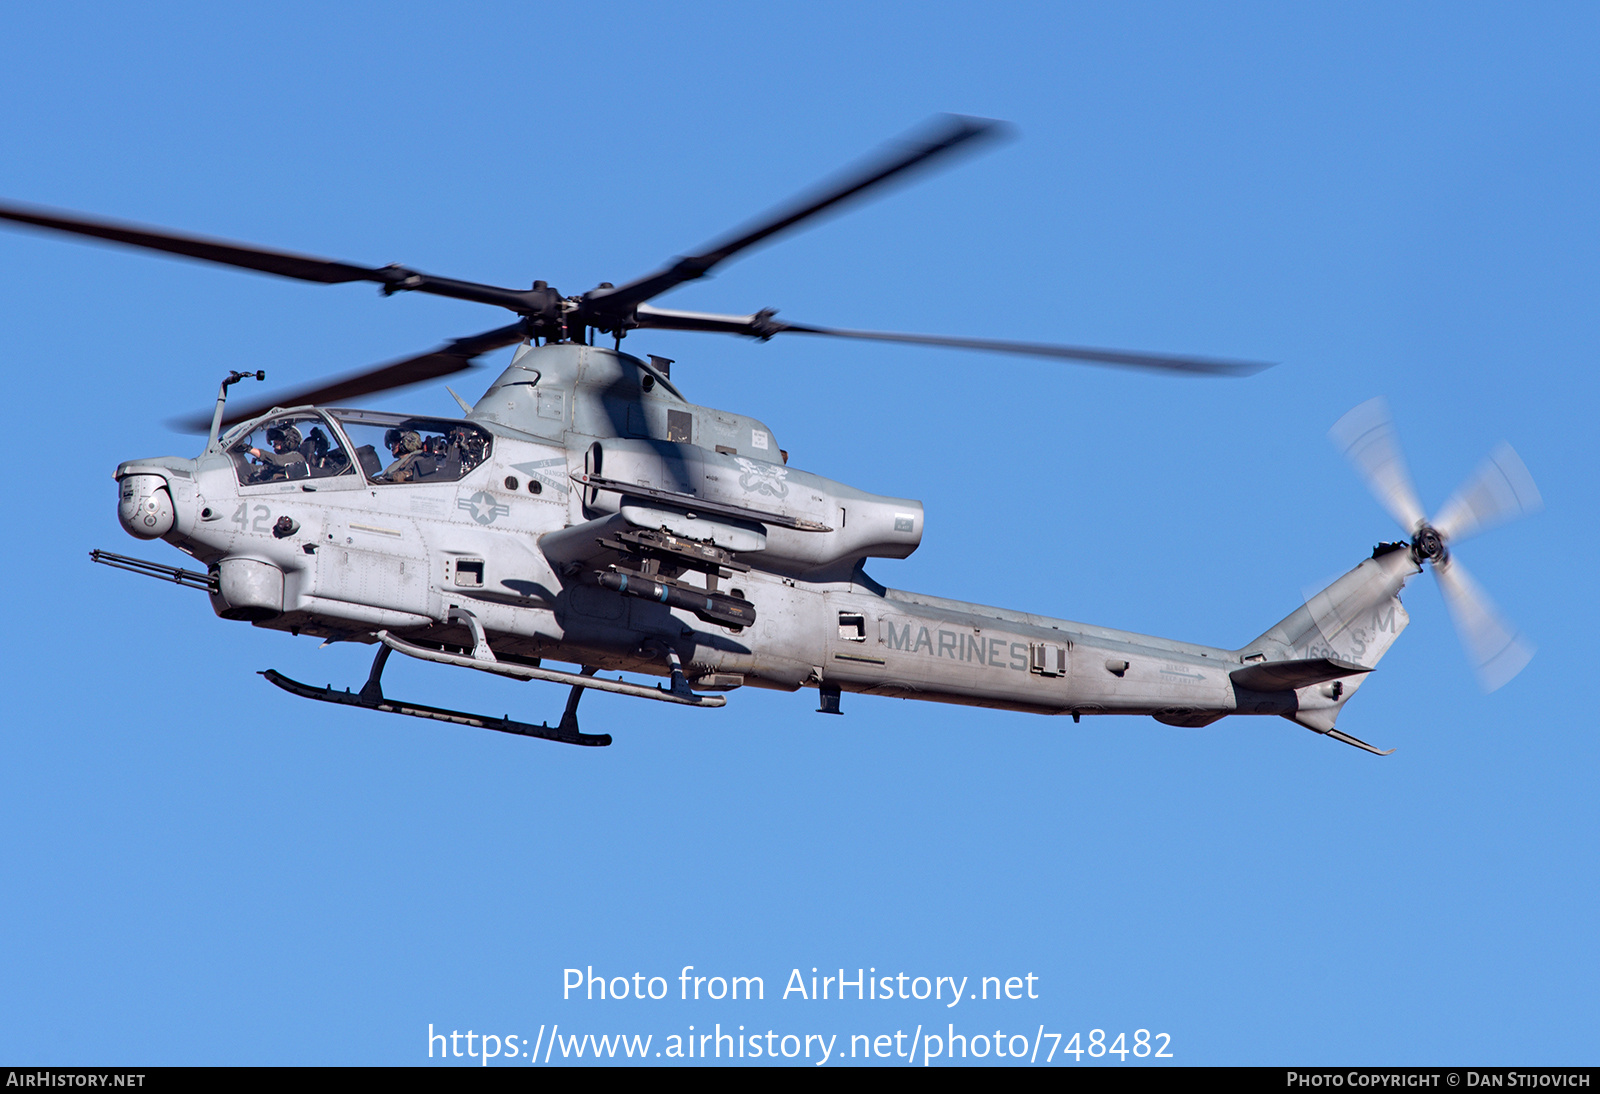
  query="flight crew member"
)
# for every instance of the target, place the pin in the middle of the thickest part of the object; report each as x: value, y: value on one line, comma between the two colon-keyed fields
x: 281, y: 462
x: 411, y: 461
x: 471, y: 446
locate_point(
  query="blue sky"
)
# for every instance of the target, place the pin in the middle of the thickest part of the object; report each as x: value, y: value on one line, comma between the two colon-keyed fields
x: 196, y: 868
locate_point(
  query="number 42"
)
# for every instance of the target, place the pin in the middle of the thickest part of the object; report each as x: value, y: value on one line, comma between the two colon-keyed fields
x: 260, y: 525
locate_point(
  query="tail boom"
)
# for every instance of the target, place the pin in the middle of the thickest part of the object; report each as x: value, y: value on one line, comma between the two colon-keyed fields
x: 912, y: 646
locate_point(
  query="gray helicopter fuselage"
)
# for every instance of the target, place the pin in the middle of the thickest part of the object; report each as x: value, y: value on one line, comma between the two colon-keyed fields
x: 589, y: 442
x: 584, y: 511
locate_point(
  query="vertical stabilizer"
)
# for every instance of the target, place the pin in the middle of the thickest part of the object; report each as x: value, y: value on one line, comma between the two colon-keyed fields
x: 1355, y: 620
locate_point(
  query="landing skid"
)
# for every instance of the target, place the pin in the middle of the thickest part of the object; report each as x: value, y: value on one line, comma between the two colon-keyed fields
x: 371, y: 697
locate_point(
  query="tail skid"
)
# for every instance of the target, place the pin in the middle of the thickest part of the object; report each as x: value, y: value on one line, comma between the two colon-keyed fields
x: 1358, y: 742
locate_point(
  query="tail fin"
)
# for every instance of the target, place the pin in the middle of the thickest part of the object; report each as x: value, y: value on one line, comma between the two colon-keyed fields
x: 1326, y: 648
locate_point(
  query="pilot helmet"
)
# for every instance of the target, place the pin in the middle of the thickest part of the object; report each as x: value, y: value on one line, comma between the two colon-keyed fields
x: 288, y: 435
x: 410, y: 441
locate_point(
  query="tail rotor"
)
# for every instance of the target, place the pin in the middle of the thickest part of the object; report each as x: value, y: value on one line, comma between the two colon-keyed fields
x: 1499, y: 491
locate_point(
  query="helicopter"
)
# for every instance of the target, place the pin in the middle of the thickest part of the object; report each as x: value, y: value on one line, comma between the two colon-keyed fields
x: 584, y: 511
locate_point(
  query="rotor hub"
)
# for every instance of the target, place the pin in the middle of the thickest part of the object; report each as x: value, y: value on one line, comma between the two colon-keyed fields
x: 1428, y: 546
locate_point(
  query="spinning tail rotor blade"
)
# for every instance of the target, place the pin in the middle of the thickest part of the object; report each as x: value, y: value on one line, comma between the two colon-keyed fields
x: 1366, y: 437
x: 449, y: 358
x: 1499, y: 491
x: 1497, y: 652
x: 762, y: 325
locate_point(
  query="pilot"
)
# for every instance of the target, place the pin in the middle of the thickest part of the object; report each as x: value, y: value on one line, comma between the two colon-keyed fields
x: 321, y: 455
x: 445, y: 456
x: 470, y: 444
x: 410, y: 461
x: 315, y: 449
x: 285, y: 460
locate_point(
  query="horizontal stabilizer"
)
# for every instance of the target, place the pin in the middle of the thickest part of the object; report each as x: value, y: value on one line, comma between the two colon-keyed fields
x: 1292, y: 675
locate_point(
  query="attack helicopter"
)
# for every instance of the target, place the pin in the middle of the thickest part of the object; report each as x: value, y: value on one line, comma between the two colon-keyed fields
x: 584, y: 511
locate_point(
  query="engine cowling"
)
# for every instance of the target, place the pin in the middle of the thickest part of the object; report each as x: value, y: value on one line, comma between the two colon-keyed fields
x: 859, y: 525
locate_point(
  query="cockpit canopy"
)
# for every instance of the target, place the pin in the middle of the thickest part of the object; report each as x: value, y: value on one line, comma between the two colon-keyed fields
x: 393, y: 448
x: 384, y: 448
x: 287, y: 447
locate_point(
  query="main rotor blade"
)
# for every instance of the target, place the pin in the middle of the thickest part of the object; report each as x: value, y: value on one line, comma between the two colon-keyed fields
x: 1500, y: 490
x: 948, y: 132
x: 452, y: 357
x: 1497, y: 652
x: 1367, y: 439
x: 282, y: 263
x: 762, y: 325
x: 1212, y: 366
